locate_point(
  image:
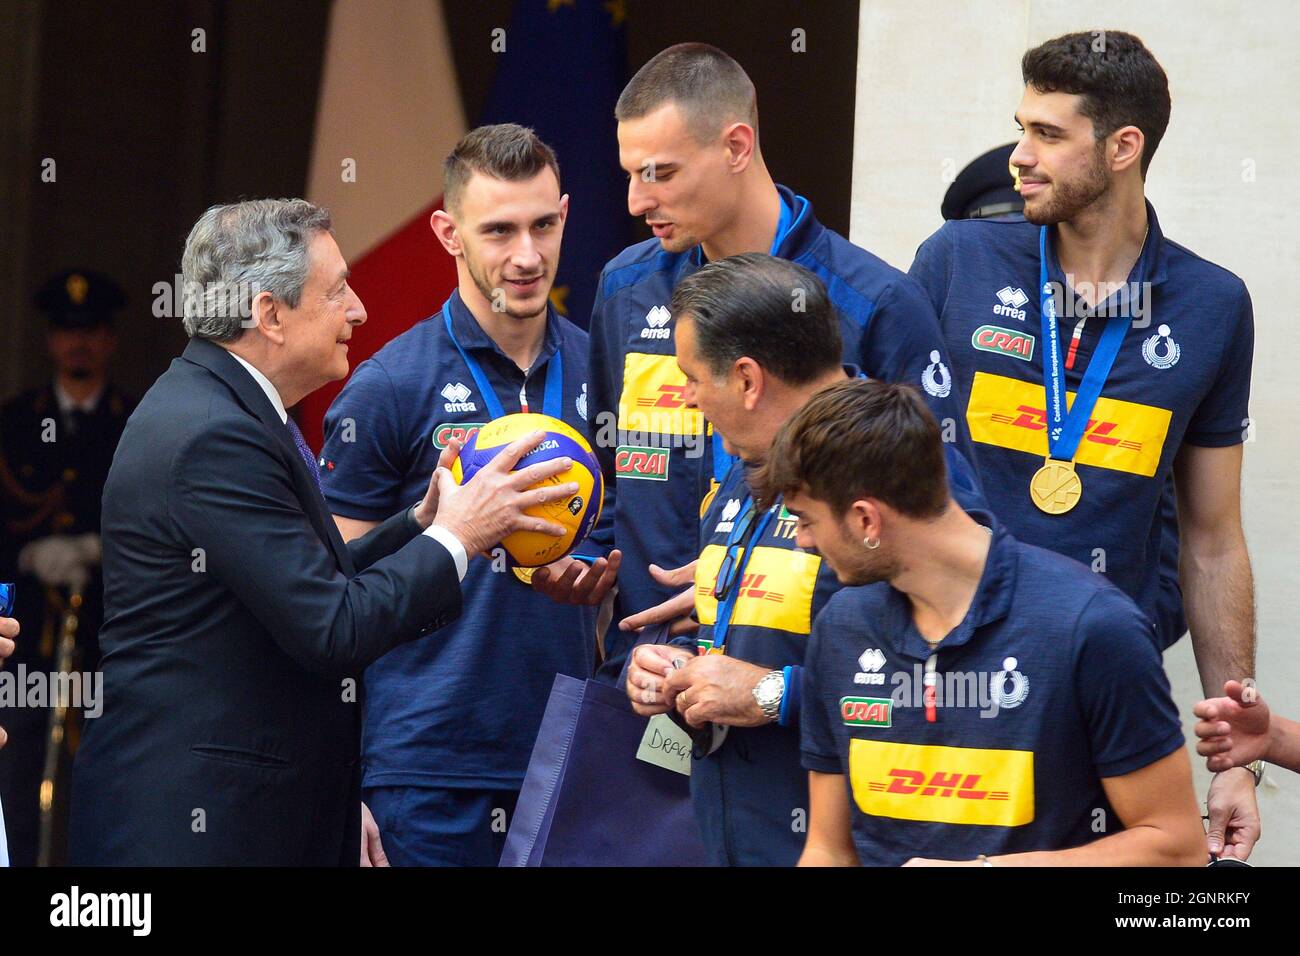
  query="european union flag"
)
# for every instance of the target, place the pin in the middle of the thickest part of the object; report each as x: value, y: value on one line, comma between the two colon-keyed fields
x: 578, y: 47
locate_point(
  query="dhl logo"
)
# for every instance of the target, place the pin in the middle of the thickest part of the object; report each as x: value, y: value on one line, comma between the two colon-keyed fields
x: 1123, y: 436
x: 1096, y: 430
x: 938, y: 784
x: 751, y: 585
x: 670, y: 396
x: 653, y: 400
x: 759, y: 602
x: 646, y: 463
x: 463, y: 432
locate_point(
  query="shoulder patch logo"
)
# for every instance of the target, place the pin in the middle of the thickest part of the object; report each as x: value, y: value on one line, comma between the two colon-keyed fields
x: 1007, y: 697
x: 1158, y: 354
x: 936, y: 379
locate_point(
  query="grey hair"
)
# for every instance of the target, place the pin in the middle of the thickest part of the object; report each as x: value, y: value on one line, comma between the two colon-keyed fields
x: 238, y: 250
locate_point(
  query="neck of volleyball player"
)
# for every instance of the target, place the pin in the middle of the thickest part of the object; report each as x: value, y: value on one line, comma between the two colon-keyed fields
x: 941, y: 561
x: 519, y: 338
x: 1098, y: 247
x: 781, y: 401
x: 756, y: 214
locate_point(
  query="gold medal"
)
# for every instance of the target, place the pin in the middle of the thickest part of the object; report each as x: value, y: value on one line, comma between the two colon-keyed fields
x: 524, y: 574
x: 1056, y: 488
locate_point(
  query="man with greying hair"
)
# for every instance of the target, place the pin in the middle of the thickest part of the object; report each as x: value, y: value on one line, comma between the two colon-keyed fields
x: 237, y: 622
x: 983, y: 702
x: 750, y: 361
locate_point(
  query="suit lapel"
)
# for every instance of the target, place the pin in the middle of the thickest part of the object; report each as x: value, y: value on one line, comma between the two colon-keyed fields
x: 222, y: 364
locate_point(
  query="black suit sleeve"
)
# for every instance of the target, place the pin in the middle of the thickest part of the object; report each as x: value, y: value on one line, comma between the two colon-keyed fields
x: 233, y: 496
x: 383, y: 539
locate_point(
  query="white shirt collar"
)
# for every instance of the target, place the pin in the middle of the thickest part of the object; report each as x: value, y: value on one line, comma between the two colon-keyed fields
x: 68, y: 404
x: 276, y: 402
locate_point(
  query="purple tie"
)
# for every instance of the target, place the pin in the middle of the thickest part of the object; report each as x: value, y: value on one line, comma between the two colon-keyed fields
x: 305, y: 452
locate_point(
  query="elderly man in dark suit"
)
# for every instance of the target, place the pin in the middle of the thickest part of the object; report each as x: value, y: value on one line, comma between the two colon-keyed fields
x: 237, y: 622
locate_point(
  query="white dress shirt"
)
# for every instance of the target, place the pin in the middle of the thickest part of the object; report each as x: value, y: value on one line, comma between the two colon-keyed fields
x: 68, y: 404
x: 444, y: 537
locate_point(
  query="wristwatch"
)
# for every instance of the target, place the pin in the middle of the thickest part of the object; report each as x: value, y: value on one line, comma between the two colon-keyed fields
x: 768, y: 693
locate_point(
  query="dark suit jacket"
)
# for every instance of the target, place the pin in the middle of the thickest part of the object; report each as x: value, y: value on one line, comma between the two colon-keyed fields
x: 237, y: 626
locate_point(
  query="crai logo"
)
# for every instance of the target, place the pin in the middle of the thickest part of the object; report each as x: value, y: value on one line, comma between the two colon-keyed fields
x: 635, y: 461
x: 866, y: 711
x: 991, y: 338
x: 457, y: 396
x: 656, y: 321
x: 462, y: 432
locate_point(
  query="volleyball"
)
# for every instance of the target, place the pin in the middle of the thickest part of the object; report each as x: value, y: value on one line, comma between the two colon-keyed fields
x: 578, y: 513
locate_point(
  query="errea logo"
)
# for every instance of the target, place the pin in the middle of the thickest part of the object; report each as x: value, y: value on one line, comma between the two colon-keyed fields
x: 1010, y: 303
x: 656, y: 321
x: 457, y: 396
x: 728, y: 517
x: 871, y: 660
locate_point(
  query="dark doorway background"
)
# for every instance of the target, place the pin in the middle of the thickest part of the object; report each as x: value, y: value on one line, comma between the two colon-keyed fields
x: 145, y: 133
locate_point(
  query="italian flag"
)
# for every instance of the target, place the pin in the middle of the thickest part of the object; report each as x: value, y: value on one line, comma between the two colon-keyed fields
x: 389, y: 111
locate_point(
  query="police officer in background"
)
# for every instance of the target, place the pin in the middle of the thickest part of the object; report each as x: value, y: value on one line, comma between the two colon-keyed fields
x: 987, y: 188
x: 56, y: 444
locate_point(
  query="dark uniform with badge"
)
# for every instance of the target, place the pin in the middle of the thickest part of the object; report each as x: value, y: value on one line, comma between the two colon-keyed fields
x: 55, y: 454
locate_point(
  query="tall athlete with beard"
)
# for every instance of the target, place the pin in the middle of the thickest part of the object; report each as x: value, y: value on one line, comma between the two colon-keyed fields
x: 1099, y: 358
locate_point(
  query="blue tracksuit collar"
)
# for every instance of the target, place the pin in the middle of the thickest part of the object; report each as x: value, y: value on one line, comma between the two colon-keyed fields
x: 796, y: 230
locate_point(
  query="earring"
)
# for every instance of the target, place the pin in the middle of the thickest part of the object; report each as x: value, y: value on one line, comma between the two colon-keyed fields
x: 871, y: 547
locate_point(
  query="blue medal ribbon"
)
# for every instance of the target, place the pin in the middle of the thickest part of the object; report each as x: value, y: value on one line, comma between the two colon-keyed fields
x: 552, y: 397
x: 1065, y: 428
x: 727, y: 607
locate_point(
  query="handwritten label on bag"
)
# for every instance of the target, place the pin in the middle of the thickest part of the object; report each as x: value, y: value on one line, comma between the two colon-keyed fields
x: 666, y: 745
